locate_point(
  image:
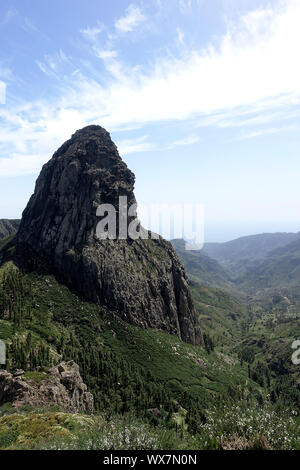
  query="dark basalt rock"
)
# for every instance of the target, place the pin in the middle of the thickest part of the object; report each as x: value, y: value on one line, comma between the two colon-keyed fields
x: 142, y: 281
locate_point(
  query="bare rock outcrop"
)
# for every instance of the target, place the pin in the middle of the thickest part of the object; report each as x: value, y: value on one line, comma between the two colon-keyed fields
x: 62, y: 386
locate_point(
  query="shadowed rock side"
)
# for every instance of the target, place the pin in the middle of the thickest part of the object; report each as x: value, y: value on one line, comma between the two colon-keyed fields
x: 142, y: 281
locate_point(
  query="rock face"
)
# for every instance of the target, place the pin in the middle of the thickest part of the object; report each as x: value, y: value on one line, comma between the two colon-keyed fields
x: 142, y: 281
x: 62, y: 387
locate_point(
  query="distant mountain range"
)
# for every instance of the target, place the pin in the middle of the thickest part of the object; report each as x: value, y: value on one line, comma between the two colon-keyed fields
x: 247, y: 264
x: 244, y: 250
x: 279, y: 268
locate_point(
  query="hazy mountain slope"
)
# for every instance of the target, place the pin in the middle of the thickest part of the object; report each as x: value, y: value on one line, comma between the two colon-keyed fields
x: 243, y: 251
x: 222, y: 314
x: 280, y: 268
x: 202, y: 268
x: 8, y: 227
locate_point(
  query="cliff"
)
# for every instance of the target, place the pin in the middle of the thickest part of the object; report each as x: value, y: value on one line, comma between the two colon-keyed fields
x: 142, y: 281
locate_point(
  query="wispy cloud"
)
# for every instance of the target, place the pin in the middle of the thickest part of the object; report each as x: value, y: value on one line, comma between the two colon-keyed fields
x: 254, y: 62
x: 102, y: 46
x: 2, y: 92
x: 105, y: 54
x: 266, y: 131
x: 10, y: 14
x: 92, y: 33
x: 131, y: 20
x: 180, y: 36
x: 52, y: 64
x: 189, y: 140
x: 250, y: 77
x: 186, y: 5
x: 140, y: 144
x: 30, y: 27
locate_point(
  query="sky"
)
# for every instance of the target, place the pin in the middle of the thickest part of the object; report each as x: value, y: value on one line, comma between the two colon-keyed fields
x: 202, y: 98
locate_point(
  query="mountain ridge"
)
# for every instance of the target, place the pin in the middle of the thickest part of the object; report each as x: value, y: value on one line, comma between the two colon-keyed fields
x: 250, y: 247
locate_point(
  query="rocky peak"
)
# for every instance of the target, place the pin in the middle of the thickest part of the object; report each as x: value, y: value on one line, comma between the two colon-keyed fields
x: 142, y: 281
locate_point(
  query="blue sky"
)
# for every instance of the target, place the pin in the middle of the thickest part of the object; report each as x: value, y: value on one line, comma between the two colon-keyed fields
x: 202, y: 98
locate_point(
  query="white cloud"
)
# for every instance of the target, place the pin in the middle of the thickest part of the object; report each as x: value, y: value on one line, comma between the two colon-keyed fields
x: 29, y: 27
x: 92, y: 33
x: 131, y: 20
x: 189, y: 140
x: 53, y: 63
x: 267, y: 131
x: 180, y: 36
x: 103, y: 49
x: 105, y: 54
x: 2, y: 92
x: 140, y: 144
x: 251, y: 76
x: 9, y: 15
x: 255, y: 61
x: 186, y: 5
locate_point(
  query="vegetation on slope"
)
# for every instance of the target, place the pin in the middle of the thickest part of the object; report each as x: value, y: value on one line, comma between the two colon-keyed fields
x: 8, y: 227
x: 180, y: 393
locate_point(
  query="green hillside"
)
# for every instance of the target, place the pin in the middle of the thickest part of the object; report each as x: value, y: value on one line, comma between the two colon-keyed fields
x: 131, y: 371
x: 8, y: 227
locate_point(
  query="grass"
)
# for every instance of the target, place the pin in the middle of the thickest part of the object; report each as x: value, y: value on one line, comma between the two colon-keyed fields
x: 25, y: 430
x: 37, y: 377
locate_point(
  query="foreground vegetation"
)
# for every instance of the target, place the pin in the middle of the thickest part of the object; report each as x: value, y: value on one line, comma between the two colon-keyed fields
x: 227, y: 427
x: 151, y: 390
